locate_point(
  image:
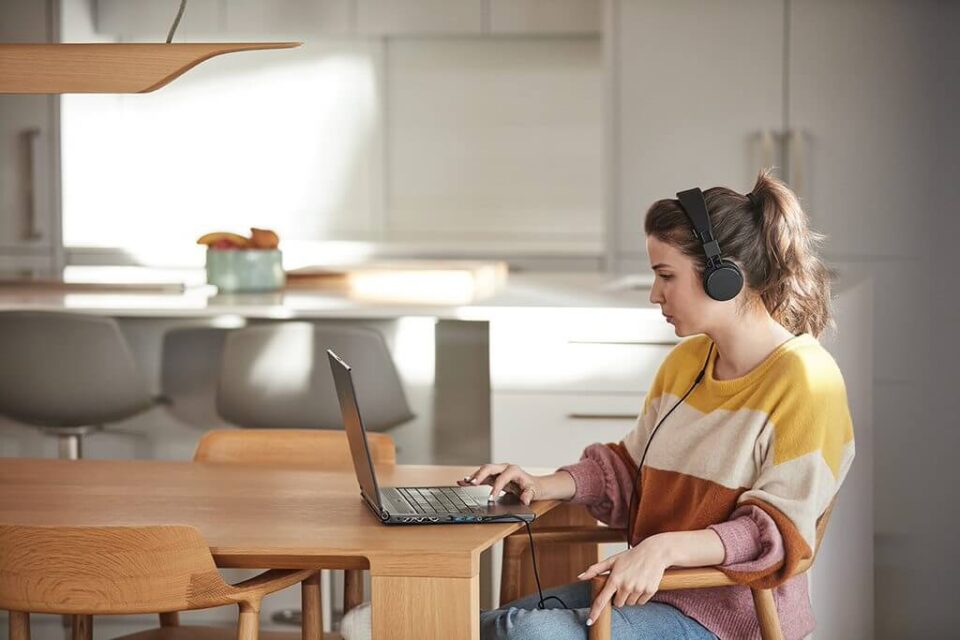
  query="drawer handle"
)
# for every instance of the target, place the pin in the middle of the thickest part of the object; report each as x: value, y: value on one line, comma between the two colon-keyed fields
x: 602, y: 416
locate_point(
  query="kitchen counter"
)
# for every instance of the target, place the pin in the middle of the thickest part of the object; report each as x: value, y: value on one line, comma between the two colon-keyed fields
x: 156, y: 300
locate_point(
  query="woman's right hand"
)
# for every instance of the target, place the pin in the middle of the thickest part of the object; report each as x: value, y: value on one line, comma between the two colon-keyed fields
x: 509, y: 478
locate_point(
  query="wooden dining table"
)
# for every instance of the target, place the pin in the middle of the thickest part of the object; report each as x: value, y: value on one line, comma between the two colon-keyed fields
x: 424, y: 579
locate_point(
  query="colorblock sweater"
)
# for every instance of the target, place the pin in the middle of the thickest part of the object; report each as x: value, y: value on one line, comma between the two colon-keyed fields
x: 757, y: 459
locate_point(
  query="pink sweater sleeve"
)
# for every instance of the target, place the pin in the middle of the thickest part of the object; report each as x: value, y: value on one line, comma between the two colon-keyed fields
x: 604, y: 484
x: 751, y: 540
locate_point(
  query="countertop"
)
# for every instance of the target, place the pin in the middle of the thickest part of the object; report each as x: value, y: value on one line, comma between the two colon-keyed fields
x: 521, y: 291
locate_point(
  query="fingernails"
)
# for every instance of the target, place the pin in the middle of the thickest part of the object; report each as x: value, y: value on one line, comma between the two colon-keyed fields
x: 473, y: 481
x: 582, y: 574
x: 490, y: 498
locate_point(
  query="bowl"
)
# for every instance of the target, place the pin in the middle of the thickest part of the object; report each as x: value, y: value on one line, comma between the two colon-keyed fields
x: 245, y: 269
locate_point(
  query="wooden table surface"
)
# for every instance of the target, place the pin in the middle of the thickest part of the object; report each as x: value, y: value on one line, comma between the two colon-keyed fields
x: 425, y: 579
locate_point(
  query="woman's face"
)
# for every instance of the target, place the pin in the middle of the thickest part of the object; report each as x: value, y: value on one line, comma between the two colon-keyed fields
x: 678, y: 289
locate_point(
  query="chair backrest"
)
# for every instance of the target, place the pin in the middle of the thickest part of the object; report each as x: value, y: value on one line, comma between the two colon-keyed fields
x: 67, y: 370
x: 189, y: 370
x: 278, y: 376
x: 107, y: 570
x: 306, y: 448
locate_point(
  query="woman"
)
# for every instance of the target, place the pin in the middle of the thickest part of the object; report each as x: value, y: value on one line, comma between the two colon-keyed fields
x: 756, y: 437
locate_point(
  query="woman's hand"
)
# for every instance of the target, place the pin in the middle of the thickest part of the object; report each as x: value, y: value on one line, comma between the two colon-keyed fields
x: 635, y: 575
x: 509, y: 478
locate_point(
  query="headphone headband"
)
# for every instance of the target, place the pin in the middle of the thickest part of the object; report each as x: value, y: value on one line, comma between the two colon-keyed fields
x: 695, y: 206
x: 722, y: 279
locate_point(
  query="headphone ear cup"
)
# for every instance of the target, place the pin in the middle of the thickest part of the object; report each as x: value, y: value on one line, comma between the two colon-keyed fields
x: 724, y: 282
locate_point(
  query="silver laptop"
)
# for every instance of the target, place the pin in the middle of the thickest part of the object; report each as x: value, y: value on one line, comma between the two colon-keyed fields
x: 413, y: 505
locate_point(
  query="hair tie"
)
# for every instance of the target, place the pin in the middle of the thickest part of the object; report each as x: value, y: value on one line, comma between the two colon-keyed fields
x: 755, y: 203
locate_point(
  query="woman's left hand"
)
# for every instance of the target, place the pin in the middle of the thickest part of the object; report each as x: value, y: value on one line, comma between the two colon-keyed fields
x: 635, y: 575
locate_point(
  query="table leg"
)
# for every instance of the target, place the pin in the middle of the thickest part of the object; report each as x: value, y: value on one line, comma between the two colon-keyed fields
x: 420, y: 607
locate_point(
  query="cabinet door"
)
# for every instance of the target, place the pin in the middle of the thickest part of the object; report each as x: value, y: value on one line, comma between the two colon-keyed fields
x: 862, y: 107
x: 695, y: 85
x: 28, y: 151
x: 545, y: 16
x: 419, y: 17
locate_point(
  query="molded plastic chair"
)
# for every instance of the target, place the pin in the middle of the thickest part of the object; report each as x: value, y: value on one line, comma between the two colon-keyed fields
x: 86, y: 571
x: 68, y: 374
x: 278, y: 376
x: 673, y: 579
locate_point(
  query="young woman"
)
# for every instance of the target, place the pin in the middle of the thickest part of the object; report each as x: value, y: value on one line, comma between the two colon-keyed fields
x: 756, y: 438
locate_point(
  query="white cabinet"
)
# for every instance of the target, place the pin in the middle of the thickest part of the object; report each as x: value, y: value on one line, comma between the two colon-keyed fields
x: 563, y: 379
x: 420, y: 17
x: 552, y: 429
x: 29, y: 143
x: 302, y: 19
x: 545, y: 16
x: 694, y: 87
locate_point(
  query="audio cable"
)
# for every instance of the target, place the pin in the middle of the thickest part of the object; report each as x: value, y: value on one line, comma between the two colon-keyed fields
x: 533, y: 558
x: 633, y: 493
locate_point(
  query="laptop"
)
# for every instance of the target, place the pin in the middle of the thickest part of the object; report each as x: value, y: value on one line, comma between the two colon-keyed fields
x: 414, y: 505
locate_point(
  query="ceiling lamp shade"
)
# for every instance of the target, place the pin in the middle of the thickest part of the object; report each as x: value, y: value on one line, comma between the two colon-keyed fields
x: 107, y: 68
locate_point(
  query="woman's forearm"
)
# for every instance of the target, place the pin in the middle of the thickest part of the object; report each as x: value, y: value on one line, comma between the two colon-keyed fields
x: 701, y: 548
x: 557, y: 486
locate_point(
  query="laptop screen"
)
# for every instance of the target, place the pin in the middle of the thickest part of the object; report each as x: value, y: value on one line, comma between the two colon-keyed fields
x: 356, y: 434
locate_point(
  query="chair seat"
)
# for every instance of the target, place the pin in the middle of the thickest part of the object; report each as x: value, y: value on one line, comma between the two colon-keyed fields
x: 196, y: 632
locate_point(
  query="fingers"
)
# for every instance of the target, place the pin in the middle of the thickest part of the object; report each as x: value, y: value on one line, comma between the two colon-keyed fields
x: 601, y: 601
x: 634, y: 599
x: 598, y: 568
x: 510, y: 473
x: 527, y: 495
x: 482, y: 474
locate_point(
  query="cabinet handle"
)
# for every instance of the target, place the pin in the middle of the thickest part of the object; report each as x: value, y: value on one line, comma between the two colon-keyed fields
x: 602, y: 416
x: 34, y: 171
x: 795, y: 161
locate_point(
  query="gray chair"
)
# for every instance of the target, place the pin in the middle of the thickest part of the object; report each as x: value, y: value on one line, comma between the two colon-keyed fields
x: 68, y: 374
x: 278, y: 376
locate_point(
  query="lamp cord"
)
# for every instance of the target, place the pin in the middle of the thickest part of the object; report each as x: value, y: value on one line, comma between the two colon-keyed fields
x: 176, y: 21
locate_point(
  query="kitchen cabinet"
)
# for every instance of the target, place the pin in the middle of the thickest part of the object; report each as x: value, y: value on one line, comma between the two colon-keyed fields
x: 420, y: 17
x: 545, y: 16
x: 693, y: 89
x: 29, y: 154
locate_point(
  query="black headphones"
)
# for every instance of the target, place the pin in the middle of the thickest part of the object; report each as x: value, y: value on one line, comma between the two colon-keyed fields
x: 722, y: 279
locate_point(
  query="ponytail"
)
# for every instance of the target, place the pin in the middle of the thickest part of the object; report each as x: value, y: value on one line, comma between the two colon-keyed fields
x: 768, y: 235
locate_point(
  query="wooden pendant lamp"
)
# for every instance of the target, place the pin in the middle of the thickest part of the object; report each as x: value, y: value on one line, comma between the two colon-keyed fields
x: 107, y: 68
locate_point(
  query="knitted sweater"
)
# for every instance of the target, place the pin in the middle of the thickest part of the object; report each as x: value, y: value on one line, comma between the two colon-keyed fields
x: 757, y: 459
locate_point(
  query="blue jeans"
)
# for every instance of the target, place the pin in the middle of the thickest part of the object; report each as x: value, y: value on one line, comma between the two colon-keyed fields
x: 522, y: 620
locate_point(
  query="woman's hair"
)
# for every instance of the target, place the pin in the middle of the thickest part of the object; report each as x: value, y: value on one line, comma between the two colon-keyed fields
x: 772, y: 244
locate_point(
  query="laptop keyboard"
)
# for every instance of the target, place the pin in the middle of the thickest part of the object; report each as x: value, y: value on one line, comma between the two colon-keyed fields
x: 441, y: 500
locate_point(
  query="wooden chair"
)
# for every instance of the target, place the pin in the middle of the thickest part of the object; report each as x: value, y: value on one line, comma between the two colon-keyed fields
x: 301, y: 448
x: 516, y: 559
x: 87, y: 571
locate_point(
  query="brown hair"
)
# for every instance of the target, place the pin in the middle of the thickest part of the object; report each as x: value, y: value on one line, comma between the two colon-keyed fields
x: 772, y: 244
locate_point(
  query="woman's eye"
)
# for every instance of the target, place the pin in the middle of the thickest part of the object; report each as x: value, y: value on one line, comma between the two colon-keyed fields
x: 665, y: 277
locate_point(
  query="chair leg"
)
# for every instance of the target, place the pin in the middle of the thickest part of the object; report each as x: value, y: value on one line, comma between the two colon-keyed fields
x: 352, y: 589
x: 19, y: 625
x: 248, y: 626
x: 170, y: 619
x: 311, y: 604
x: 82, y: 627
x: 69, y: 447
x: 766, y: 608
x: 602, y: 626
